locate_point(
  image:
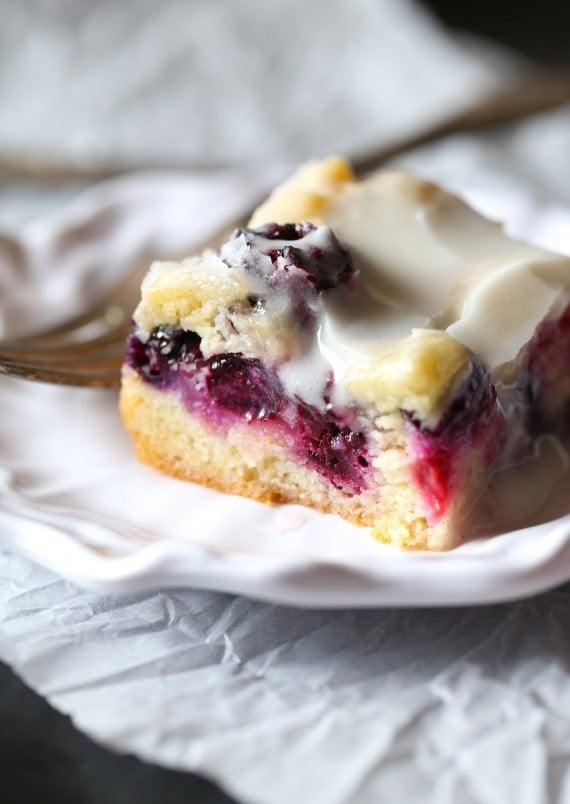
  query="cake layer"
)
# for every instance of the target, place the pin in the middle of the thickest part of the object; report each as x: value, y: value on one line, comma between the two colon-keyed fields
x: 406, y: 490
x: 374, y: 349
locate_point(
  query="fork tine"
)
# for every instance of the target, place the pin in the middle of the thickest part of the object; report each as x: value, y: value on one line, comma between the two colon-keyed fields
x: 111, y: 354
x: 105, y: 374
x: 66, y: 360
x: 56, y: 333
x: 111, y: 360
x: 107, y: 317
x: 112, y: 340
x: 111, y: 312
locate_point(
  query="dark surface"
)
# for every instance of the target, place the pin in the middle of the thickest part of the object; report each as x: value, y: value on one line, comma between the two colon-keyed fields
x: 42, y: 757
x: 539, y: 29
x: 44, y: 760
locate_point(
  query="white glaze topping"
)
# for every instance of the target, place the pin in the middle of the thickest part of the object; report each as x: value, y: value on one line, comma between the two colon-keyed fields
x: 428, y: 260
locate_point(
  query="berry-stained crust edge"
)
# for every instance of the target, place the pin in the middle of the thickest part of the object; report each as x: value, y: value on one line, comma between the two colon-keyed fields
x: 229, y: 387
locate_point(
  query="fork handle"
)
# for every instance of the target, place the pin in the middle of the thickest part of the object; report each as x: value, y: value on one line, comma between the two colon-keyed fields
x: 524, y: 97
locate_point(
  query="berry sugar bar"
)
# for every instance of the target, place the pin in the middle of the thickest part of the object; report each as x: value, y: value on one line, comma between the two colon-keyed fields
x: 374, y: 349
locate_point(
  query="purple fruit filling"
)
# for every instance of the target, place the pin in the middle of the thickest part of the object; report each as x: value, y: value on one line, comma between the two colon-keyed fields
x: 299, y: 260
x: 545, y: 384
x: 316, y: 256
x: 243, y: 386
x: 164, y: 350
x: 227, y: 387
x: 475, y: 396
x: 471, y: 422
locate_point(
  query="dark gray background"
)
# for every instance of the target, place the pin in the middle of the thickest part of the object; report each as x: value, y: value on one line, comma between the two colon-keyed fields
x: 540, y: 30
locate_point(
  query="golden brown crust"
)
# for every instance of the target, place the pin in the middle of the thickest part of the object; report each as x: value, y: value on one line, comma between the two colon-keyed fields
x: 306, y: 194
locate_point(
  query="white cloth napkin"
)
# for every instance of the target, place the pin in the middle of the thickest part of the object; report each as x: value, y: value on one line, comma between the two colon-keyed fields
x: 274, y: 704
x: 218, y: 83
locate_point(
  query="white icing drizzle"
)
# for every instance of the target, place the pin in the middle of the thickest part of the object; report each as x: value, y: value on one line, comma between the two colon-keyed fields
x: 306, y: 376
x: 236, y: 251
x: 426, y: 259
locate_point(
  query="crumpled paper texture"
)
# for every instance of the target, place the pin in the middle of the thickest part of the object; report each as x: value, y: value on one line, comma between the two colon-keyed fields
x: 281, y: 705
x: 273, y: 703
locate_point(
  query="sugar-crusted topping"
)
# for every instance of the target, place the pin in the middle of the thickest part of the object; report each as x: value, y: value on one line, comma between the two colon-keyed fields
x: 227, y: 309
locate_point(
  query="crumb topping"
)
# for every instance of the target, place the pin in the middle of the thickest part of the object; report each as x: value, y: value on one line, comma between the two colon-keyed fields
x: 306, y: 194
x: 420, y: 374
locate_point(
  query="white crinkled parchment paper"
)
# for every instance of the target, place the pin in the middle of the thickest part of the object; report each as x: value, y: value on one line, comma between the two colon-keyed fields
x: 280, y: 705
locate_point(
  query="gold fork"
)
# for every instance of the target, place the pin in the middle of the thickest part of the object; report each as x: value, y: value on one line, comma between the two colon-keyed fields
x: 87, y: 350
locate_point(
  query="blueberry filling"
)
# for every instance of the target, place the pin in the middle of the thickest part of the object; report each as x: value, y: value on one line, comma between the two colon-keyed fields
x: 244, y: 386
x: 332, y: 445
x: 299, y: 260
x: 316, y: 256
x: 165, y: 349
x: 545, y: 386
x: 476, y: 395
x: 230, y: 386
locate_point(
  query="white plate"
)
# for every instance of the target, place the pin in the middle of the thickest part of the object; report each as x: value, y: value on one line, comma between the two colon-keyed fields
x: 73, y: 498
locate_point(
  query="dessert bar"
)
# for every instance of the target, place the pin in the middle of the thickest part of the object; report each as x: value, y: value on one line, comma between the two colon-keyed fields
x: 374, y: 349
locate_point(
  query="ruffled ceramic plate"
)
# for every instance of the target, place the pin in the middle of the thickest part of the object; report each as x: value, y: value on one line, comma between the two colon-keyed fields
x: 73, y: 498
